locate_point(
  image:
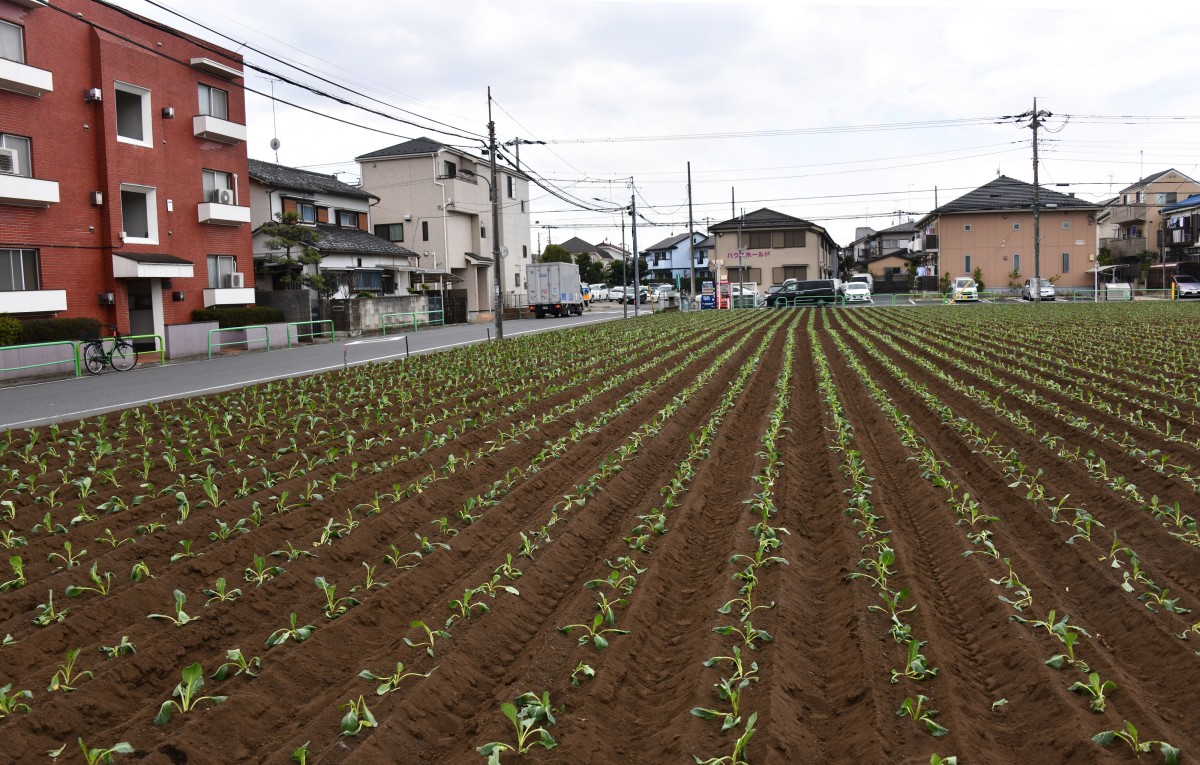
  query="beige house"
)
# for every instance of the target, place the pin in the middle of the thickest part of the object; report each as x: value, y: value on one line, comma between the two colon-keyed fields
x: 773, y: 247
x: 434, y: 199
x: 1134, y: 218
x: 991, y: 228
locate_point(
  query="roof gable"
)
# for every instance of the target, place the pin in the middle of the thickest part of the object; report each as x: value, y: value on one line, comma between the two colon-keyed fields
x: 762, y: 218
x: 413, y: 147
x: 294, y: 179
x: 1004, y: 193
x: 1155, y: 177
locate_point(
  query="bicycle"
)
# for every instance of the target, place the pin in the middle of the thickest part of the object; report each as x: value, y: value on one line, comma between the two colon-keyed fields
x: 122, y: 357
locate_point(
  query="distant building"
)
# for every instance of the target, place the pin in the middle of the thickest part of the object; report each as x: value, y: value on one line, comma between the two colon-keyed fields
x: 774, y: 247
x: 672, y: 257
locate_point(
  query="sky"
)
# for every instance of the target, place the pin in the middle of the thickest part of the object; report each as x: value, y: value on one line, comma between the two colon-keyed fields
x: 845, y: 115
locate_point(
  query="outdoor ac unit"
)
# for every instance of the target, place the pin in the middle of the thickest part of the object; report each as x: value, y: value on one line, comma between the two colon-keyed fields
x: 8, y: 161
x: 237, y: 281
x: 92, y: 94
x: 222, y: 196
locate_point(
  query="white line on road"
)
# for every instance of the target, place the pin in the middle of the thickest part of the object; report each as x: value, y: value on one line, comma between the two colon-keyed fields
x: 377, y: 340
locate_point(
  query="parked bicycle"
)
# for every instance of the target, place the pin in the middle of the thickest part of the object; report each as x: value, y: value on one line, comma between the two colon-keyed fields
x: 121, y: 357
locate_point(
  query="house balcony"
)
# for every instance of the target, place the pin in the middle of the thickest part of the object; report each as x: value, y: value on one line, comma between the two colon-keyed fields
x: 24, y: 79
x: 928, y: 243
x: 239, y: 296
x: 1124, y: 248
x: 222, y: 215
x: 1126, y: 214
x: 33, y: 301
x: 28, y: 192
x: 215, y: 129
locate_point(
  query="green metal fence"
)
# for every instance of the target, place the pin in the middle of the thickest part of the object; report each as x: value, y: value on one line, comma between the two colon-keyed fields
x: 245, y: 340
x: 429, y: 321
x: 320, y: 332
x: 73, y: 360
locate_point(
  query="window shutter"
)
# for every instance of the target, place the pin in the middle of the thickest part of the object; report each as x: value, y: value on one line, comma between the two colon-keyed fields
x: 362, y: 221
x: 322, y: 214
x: 289, y: 206
x: 777, y: 276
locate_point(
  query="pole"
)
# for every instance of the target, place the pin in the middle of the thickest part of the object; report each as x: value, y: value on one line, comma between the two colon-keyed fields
x: 741, y: 252
x: 499, y: 300
x: 1034, y: 124
x: 691, y: 236
x: 637, y: 275
x: 624, y: 277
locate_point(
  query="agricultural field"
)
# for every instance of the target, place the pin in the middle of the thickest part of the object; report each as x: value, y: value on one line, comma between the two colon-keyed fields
x: 819, y: 535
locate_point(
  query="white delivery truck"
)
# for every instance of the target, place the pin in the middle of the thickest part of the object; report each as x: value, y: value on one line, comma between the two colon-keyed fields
x: 553, y: 288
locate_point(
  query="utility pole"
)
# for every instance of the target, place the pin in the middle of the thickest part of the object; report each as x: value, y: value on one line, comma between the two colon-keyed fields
x: 624, y: 260
x: 637, y: 277
x: 691, y: 237
x: 516, y: 143
x: 499, y: 301
x: 1035, y: 122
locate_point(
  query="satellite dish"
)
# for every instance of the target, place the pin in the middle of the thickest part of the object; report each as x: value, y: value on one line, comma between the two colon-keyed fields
x: 504, y: 252
x: 275, y: 144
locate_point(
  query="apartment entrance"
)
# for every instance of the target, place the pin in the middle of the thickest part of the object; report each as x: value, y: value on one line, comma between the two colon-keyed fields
x: 141, y: 294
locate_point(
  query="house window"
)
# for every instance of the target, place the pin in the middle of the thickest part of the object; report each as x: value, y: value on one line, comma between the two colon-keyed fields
x: 216, y: 182
x: 449, y: 169
x: 1017, y: 262
x: 522, y: 205
x: 967, y: 265
x: 800, y: 273
x: 220, y: 269
x: 306, y: 212
x: 393, y: 232
x: 133, y: 114
x: 1016, y: 227
x: 19, y: 270
x: 12, y: 42
x: 1066, y: 269
x: 966, y: 227
x: 1141, y: 197
x: 424, y: 231
x: 759, y: 240
x: 347, y: 219
x: 1066, y: 224
x: 214, y: 102
x: 524, y: 251
x: 1165, y: 197
x: 793, y: 238
x: 14, y: 161
x: 139, y: 214
x: 517, y: 279
x: 512, y: 186
x: 483, y: 232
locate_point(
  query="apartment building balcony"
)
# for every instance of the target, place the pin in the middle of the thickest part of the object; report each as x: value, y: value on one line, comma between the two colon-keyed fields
x: 222, y: 215
x: 24, y: 79
x: 33, y: 301
x: 227, y: 296
x: 216, y: 129
x: 1124, y: 248
x: 1126, y: 214
x: 28, y: 192
x: 927, y: 243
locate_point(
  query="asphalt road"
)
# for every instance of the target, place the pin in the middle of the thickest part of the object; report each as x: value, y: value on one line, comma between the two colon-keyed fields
x: 41, y: 403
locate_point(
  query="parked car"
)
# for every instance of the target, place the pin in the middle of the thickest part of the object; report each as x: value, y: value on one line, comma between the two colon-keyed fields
x: 663, y: 293
x: 599, y: 292
x: 765, y: 298
x: 1186, y: 286
x: 820, y: 291
x: 963, y: 290
x: 616, y: 294
x: 865, y: 278
x: 643, y: 295
x: 585, y: 290
x: 857, y: 292
x: 1046, y: 289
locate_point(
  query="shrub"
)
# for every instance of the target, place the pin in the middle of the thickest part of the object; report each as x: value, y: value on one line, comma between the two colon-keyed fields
x: 239, y: 317
x: 10, y: 330
x: 52, y: 330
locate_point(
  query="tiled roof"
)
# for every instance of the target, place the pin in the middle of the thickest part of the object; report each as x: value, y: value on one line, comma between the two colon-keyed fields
x: 1006, y: 193
x: 900, y: 228
x: 575, y: 245
x: 334, y: 239
x: 668, y: 243
x: 302, y: 180
x: 763, y: 218
x: 1152, y: 178
x: 415, y: 146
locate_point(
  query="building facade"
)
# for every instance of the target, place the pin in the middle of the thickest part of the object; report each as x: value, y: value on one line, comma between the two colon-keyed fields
x: 672, y: 258
x: 1136, y: 214
x: 773, y: 247
x: 123, y: 169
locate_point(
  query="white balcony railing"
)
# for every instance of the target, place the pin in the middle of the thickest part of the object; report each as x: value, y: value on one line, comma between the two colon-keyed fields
x: 222, y: 215
x: 24, y: 79
x: 242, y: 296
x: 30, y: 192
x: 215, y: 129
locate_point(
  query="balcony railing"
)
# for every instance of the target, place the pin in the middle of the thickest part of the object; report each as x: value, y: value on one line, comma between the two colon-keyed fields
x: 31, y: 192
x: 1126, y: 213
x: 222, y: 215
x: 216, y: 129
x: 1125, y: 248
x: 24, y: 79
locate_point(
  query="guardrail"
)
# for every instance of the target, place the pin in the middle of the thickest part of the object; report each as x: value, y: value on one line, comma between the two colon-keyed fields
x: 320, y: 333
x: 160, y: 346
x: 266, y: 337
x: 441, y: 319
x: 74, y: 360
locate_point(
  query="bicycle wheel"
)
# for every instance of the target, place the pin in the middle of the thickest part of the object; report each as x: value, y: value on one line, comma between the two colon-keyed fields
x: 124, y: 357
x: 94, y: 358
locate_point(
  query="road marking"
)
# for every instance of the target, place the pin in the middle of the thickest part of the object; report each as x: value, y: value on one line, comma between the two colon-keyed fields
x: 377, y: 340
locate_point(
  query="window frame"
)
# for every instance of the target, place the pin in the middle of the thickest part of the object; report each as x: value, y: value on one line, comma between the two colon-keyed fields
x: 1016, y: 227
x: 230, y: 261
x: 967, y: 263
x: 790, y: 238
x: 144, y: 95
x: 1066, y: 225
x: 424, y: 231
x: 1017, y: 262
x: 483, y: 232
x: 210, y: 187
x: 20, y: 41
x: 24, y: 155
x: 206, y: 104
x: 511, y: 186
x: 387, y: 229
x: 300, y: 206
x: 19, y: 255
x: 754, y: 239
x: 967, y: 227
x: 449, y: 169
x: 350, y: 214
x: 1066, y: 262
x: 150, y: 193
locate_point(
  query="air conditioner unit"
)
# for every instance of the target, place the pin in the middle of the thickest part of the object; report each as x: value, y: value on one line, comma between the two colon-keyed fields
x: 237, y: 281
x: 92, y: 94
x: 8, y: 161
x: 225, y: 196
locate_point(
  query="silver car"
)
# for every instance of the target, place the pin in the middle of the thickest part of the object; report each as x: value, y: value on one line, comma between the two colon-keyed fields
x: 1046, y: 289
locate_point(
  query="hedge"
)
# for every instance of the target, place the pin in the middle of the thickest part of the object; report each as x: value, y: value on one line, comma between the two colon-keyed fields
x: 47, y: 330
x: 239, y: 317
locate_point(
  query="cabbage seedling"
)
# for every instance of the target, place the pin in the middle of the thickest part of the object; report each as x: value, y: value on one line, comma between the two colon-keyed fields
x: 239, y: 664
x: 625, y: 563
x: 10, y: 703
x: 186, y: 544
x: 220, y: 594
x: 916, y: 710
x: 917, y: 667
x: 140, y: 571
x: 1094, y: 688
x: 391, y: 682
x: 464, y: 607
x: 47, y: 614
x: 1130, y: 736
x: 1152, y: 598
x: 583, y: 670
x: 100, y: 584
x: 507, y: 569
x: 18, y: 580
x: 65, y: 678
x: 124, y: 648
x: 738, y: 757
x: 334, y: 606
x: 357, y: 717
x: 291, y: 553
x: 300, y: 754
x: 426, y: 547
x: 7, y: 641
x: 525, y: 731
x: 369, y: 581
x: 69, y: 557
x: 186, y: 693
x: 607, y: 607
x: 489, y: 587
x: 614, y: 580
x: 746, y: 632
x: 594, y: 632
x: 430, y: 637
x: 937, y: 759
x: 101, y: 755
x: 299, y: 634
x: 180, y: 618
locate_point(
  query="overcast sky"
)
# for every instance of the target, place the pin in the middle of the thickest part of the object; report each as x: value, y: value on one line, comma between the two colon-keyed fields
x: 767, y: 100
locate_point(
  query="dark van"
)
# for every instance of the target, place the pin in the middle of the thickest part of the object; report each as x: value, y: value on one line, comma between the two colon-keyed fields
x: 798, y: 293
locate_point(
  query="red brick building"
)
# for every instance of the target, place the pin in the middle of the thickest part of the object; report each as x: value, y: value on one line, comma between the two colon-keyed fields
x: 124, y: 189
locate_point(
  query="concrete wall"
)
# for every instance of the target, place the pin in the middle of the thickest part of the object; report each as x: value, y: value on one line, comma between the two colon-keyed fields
x: 297, y: 305
x: 359, y: 315
x: 184, y: 340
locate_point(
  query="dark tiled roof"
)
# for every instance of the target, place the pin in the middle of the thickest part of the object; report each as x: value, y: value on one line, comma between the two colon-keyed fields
x: 334, y: 239
x: 302, y: 180
x: 667, y: 244
x: 1006, y: 193
x: 575, y: 245
x: 707, y: 243
x: 763, y: 218
x: 1152, y: 178
x: 900, y: 228
x: 415, y: 146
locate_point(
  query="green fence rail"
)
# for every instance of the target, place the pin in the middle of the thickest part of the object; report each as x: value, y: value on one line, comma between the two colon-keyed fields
x: 160, y: 346
x: 266, y: 337
x: 319, y: 333
x: 440, y: 322
x: 74, y: 360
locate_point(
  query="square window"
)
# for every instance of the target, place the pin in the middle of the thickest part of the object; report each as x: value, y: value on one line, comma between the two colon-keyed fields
x: 449, y: 169
x: 393, y: 232
x: 12, y: 42
x: 214, y: 102
x: 19, y: 270
x: 967, y: 227
x: 220, y: 270
x: 15, y: 160
x: 1016, y: 227
x: 133, y: 115
x: 1066, y: 224
x: 139, y: 215
x: 215, y: 182
x: 347, y: 219
x: 306, y: 212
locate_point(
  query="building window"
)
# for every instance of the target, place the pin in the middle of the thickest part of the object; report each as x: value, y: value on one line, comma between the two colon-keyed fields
x: 214, y: 102
x: 967, y: 266
x: 218, y: 187
x: 522, y: 205
x: 1165, y: 197
x: 966, y: 227
x: 517, y: 279
x: 1017, y: 262
x: 19, y: 270
x: 14, y: 155
x: 483, y: 232
x: 424, y: 231
x: 759, y: 240
x: 12, y: 42
x: 1066, y: 269
x: 139, y: 214
x: 133, y: 115
x: 799, y: 273
x: 1066, y: 224
x: 306, y: 212
x: 512, y: 186
x: 449, y: 169
x: 220, y: 270
x: 793, y: 238
x: 1016, y: 227
x: 393, y: 232
x: 524, y: 251
x: 347, y: 219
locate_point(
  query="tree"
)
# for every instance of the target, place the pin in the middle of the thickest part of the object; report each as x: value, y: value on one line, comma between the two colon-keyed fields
x: 555, y: 253
x: 590, y: 271
x: 295, y: 245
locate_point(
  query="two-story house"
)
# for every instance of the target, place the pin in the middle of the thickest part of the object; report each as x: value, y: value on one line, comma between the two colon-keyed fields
x: 887, y: 254
x: 353, y: 258
x: 1136, y: 213
x: 672, y: 257
x: 773, y: 247
x: 1181, y: 255
x: 991, y: 229
x: 438, y: 197
x: 123, y: 170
